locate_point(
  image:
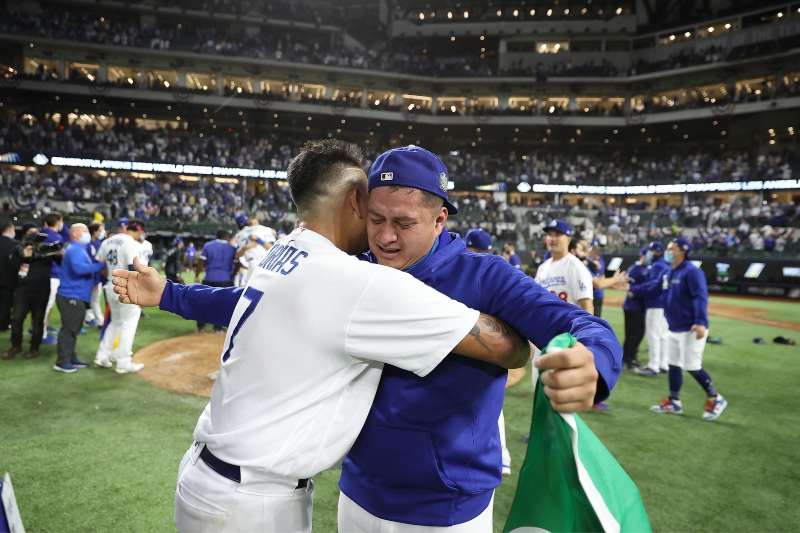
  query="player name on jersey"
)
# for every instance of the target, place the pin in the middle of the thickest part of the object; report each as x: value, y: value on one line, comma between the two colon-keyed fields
x: 283, y: 259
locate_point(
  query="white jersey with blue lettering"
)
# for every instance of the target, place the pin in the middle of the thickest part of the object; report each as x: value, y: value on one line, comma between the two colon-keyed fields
x: 118, y: 252
x: 146, y: 251
x: 568, y: 278
x: 305, y: 349
x: 243, y: 236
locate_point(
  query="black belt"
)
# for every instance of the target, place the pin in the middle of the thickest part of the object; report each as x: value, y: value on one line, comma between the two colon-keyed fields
x: 229, y: 471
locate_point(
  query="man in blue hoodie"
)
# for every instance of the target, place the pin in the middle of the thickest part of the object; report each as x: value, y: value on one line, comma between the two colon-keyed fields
x: 429, y: 453
x: 78, y: 274
x: 56, y: 234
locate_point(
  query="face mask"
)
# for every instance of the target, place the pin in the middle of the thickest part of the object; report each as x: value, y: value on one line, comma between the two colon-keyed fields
x: 85, y: 238
x: 668, y: 256
x: 141, y: 237
x: 648, y: 257
x: 102, y: 235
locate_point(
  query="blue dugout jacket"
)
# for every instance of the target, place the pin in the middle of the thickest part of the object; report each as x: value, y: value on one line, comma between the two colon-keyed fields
x: 637, y: 274
x: 686, y: 298
x: 78, y: 273
x: 652, y: 289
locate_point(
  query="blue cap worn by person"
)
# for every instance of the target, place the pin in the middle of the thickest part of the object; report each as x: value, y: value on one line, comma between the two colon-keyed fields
x: 683, y: 243
x: 478, y: 239
x: 656, y: 246
x: 123, y: 221
x: 643, y: 250
x: 561, y: 226
x: 411, y: 166
x: 176, y: 241
x: 241, y: 220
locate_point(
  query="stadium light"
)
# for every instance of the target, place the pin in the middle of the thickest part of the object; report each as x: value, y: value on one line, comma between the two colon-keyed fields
x: 711, y: 29
x: 687, y: 34
x: 780, y: 14
x: 449, y: 15
x: 421, y: 15
x: 377, y: 102
x: 499, y: 12
x: 483, y: 37
x: 618, y: 11
x: 532, y: 12
x: 466, y: 14
x: 515, y: 12
x: 566, y: 11
x: 728, y: 26
x: 672, y: 37
x: 549, y: 13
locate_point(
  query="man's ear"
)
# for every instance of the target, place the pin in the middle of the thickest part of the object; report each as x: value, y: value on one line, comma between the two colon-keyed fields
x: 441, y: 218
x: 358, y: 199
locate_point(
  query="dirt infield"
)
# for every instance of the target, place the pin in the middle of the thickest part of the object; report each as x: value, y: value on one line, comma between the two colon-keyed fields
x: 183, y: 364
x: 736, y: 312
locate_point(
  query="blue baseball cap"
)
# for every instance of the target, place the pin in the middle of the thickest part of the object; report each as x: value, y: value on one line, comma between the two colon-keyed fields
x: 656, y: 246
x: 683, y: 243
x: 643, y: 250
x: 478, y: 239
x: 176, y: 241
x: 561, y: 226
x: 241, y: 219
x: 123, y: 221
x: 411, y: 166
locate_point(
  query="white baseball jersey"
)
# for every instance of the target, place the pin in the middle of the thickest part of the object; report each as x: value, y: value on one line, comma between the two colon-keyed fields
x: 118, y: 252
x: 250, y: 259
x: 146, y: 251
x: 305, y: 349
x: 262, y: 232
x: 568, y: 278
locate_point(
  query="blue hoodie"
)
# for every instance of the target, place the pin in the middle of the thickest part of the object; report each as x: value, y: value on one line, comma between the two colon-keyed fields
x: 78, y: 273
x: 429, y: 451
x: 686, y: 299
x: 652, y: 289
x: 637, y: 274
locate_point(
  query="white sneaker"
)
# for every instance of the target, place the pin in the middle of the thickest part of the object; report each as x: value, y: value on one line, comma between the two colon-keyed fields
x: 104, y: 363
x: 131, y: 368
x: 506, y: 470
x: 714, y: 408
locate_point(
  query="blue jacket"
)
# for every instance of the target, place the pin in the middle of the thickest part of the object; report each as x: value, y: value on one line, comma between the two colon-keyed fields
x: 429, y: 452
x: 431, y: 446
x: 686, y: 299
x: 652, y: 289
x: 78, y: 273
x: 54, y: 236
x: 637, y: 274
x: 218, y: 256
x: 597, y: 270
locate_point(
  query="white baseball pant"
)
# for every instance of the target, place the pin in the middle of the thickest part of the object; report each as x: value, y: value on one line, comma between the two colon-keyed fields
x: 685, y: 350
x: 95, y: 311
x: 124, y: 320
x: 55, y: 283
x: 655, y: 330
x: 506, y: 455
x: 355, y: 519
x: 206, y: 502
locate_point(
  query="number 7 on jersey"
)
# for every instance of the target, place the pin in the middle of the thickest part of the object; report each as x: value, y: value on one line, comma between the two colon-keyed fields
x: 254, y: 296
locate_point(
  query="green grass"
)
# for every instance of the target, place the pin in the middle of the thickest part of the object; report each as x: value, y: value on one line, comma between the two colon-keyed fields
x: 95, y: 451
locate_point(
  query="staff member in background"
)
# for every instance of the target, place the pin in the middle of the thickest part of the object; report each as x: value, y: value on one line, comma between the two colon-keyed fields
x: 510, y: 255
x: 8, y: 275
x: 217, y: 257
x: 597, y: 266
x: 54, y: 229
x: 74, y: 293
x: 633, y: 309
x: 174, y: 260
x: 655, y: 326
x: 686, y: 311
x: 31, y: 294
x: 95, y: 315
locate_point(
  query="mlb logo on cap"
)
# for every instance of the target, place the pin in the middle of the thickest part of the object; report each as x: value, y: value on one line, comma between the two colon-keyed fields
x: 387, y: 176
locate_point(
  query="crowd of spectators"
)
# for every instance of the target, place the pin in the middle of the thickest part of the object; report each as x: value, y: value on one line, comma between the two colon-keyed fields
x: 125, y: 140
x: 301, y: 45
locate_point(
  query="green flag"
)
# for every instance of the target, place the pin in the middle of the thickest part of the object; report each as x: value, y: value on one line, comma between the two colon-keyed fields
x: 569, y: 481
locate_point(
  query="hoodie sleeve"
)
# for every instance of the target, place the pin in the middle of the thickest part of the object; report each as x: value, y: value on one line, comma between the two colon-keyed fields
x: 200, y: 302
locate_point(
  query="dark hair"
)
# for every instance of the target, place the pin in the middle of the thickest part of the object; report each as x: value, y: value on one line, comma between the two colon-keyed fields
x: 223, y: 234
x: 135, y: 225
x: 317, y: 166
x: 94, y: 226
x: 6, y: 223
x: 51, y: 219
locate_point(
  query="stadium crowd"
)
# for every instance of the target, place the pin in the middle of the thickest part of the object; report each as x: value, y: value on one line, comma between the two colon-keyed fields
x: 298, y: 45
x: 125, y: 140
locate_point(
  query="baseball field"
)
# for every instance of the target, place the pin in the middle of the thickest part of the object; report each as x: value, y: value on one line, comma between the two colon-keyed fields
x: 97, y: 451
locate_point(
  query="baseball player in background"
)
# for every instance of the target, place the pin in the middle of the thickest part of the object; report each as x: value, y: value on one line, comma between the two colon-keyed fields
x: 686, y: 312
x: 119, y: 252
x: 480, y: 242
x: 217, y: 258
x: 95, y: 315
x: 563, y: 274
x: 633, y: 310
x: 651, y: 291
x: 56, y: 232
x: 306, y: 345
x: 251, y: 234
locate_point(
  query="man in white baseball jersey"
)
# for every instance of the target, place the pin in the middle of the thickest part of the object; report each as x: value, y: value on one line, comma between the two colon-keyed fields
x: 563, y: 274
x: 119, y: 252
x: 304, y: 353
x: 261, y: 239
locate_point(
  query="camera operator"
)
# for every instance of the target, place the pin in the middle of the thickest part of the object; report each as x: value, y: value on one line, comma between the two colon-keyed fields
x: 31, y: 261
x: 8, y: 276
